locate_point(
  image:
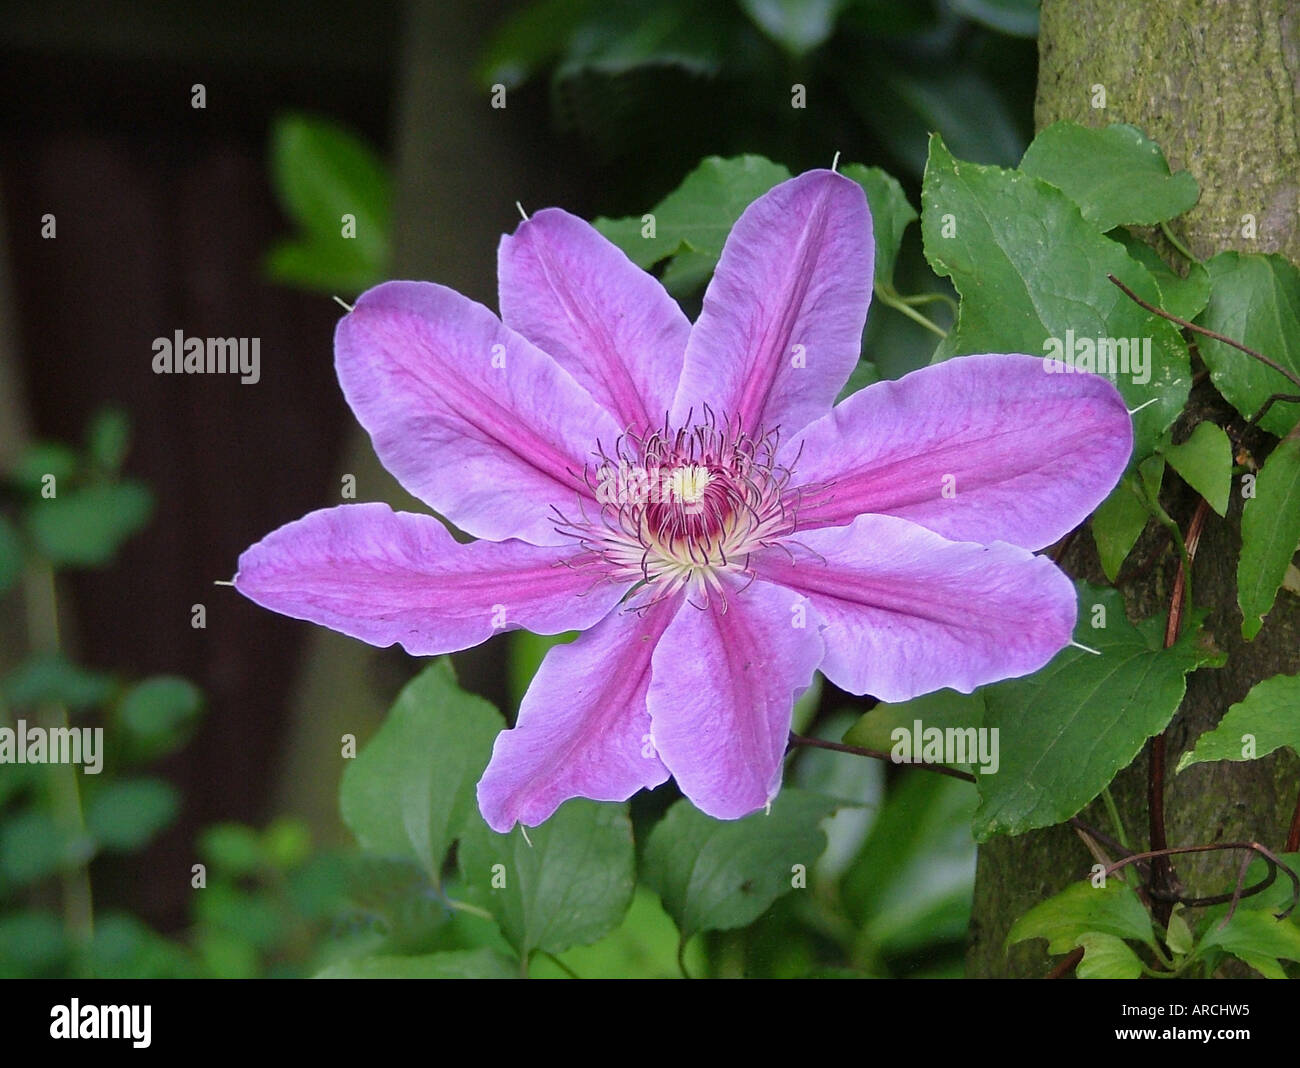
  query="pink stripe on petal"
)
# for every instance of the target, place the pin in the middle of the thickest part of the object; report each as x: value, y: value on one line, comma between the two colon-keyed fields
x: 907, y: 611
x: 611, y: 325
x: 384, y: 577
x: 471, y: 418
x: 583, y: 729
x: 723, y: 693
x: 781, y: 327
x: 1024, y: 456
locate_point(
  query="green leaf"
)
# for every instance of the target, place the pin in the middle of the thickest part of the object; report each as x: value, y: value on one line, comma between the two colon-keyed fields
x: 527, y: 651
x: 123, y: 816
x: 713, y: 875
x: 158, y: 713
x: 32, y: 847
x: 1116, y: 174
x: 1253, y: 934
x: 54, y: 679
x: 1117, y: 524
x: 1270, y: 532
x: 798, y: 26
x: 322, y: 265
x: 40, y: 460
x: 913, y: 882
x: 942, y: 709
x: 699, y: 214
x: 232, y: 848
x: 410, y: 789
x: 1254, y: 299
x: 449, y: 964
x: 31, y: 943
x: 1269, y: 714
x: 321, y: 174
x: 1016, y: 18
x: 571, y: 886
x: 1107, y: 957
x: 11, y: 555
x: 644, y: 945
x: 1066, y: 730
x: 1080, y: 909
x: 864, y: 374
x: 1178, y: 936
x: 1184, y: 297
x: 108, y: 438
x: 1205, y: 462
x: 891, y: 214
x: 528, y: 39
x: 85, y: 527
x: 1032, y: 276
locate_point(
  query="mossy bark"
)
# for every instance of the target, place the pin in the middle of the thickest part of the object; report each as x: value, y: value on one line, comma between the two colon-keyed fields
x: 1215, y: 83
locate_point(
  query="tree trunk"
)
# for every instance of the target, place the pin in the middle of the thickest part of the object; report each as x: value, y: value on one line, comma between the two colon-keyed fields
x: 1215, y: 84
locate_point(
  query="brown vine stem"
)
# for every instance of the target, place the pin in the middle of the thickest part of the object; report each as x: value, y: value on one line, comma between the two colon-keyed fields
x: 1162, y: 871
x: 1293, y: 835
x: 876, y: 754
x: 1290, y: 375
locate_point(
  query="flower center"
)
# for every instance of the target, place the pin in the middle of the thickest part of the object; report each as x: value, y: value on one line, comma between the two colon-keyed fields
x: 680, y: 508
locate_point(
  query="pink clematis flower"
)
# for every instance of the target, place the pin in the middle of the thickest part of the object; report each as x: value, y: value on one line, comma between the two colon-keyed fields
x: 688, y: 497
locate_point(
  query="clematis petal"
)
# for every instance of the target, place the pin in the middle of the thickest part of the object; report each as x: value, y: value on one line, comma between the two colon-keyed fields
x: 470, y: 417
x: 781, y: 326
x: 908, y: 612
x: 384, y: 577
x: 723, y: 691
x: 583, y: 729
x: 978, y: 448
x: 611, y: 325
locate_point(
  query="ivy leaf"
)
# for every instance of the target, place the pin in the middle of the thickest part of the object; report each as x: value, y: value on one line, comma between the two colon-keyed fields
x: 1269, y: 714
x: 713, y: 875
x: 891, y: 214
x: 449, y: 964
x: 1032, y: 274
x: 1205, y: 462
x: 1257, y: 937
x: 1254, y: 299
x: 1270, y: 532
x: 1178, y: 936
x: 1107, y: 957
x: 699, y: 214
x: 571, y: 886
x: 1117, y: 524
x: 1184, y: 297
x: 85, y: 527
x: 941, y: 709
x: 1066, y: 730
x: 1065, y: 919
x: 408, y: 792
x: 1116, y: 174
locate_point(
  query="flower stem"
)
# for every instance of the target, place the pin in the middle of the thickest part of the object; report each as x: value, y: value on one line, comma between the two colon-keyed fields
x: 1169, y: 236
x: 64, y: 791
x: 887, y: 296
